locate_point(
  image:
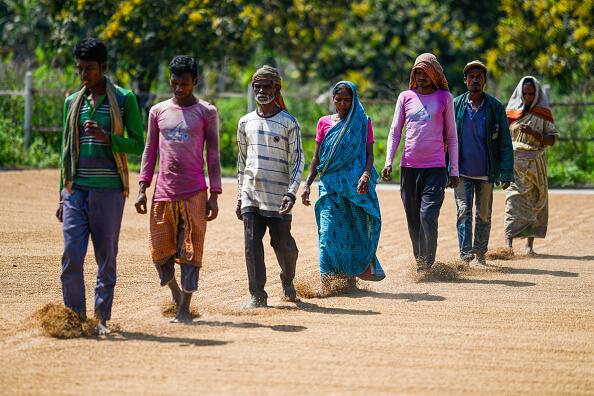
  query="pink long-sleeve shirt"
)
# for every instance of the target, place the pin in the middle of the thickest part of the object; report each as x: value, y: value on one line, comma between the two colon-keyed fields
x: 426, y: 119
x: 179, y: 134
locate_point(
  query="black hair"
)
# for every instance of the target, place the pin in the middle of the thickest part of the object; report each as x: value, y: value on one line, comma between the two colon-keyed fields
x: 529, y: 81
x: 91, y: 49
x: 183, y: 64
x: 341, y: 86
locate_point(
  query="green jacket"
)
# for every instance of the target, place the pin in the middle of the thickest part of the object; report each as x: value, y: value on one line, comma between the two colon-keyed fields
x: 500, y: 151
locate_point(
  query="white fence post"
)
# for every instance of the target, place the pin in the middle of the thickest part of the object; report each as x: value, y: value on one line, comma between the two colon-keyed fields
x: 546, y: 90
x: 251, y: 105
x: 28, y: 107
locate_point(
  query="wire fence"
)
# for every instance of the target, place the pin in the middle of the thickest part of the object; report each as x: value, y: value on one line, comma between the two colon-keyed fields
x: 145, y: 99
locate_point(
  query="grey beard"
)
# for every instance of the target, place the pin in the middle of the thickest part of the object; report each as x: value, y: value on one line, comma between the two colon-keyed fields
x: 269, y: 100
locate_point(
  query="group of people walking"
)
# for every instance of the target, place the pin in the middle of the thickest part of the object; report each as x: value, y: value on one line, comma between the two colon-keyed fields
x: 464, y: 143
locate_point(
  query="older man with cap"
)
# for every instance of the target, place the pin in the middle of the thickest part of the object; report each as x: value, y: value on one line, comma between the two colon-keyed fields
x: 427, y: 112
x: 485, y: 157
x: 269, y: 168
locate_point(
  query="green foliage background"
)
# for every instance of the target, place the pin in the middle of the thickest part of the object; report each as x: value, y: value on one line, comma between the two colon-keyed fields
x: 315, y: 43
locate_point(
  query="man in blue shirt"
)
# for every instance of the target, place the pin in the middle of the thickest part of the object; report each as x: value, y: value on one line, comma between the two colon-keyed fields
x: 485, y: 157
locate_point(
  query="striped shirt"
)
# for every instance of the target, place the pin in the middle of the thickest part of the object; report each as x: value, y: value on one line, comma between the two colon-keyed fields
x: 269, y: 163
x: 96, y: 166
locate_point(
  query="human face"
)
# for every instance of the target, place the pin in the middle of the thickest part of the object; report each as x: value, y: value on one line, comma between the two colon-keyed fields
x: 91, y: 73
x: 422, y: 79
x: 475, y: 80
x: 182, y: 85
x: 265, y: 91
x: 342, y: 102
x: 528, y: 94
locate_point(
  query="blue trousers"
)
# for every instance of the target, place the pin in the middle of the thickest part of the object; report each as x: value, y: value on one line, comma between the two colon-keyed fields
x: 189, y: 275
x: 482, y: 192
x: 96, y: 213
x: 422, y: 193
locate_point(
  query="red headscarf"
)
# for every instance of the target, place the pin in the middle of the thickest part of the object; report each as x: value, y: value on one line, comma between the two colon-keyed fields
x: 429, y: 64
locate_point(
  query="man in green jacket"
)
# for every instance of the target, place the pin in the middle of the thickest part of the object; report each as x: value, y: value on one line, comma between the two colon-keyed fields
x: 94, y: 177
x: 485, y: 157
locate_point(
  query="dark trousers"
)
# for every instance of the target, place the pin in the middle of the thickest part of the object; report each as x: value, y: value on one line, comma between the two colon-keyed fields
x: 422, y: 192
x: 98, y: 214
x: 281, y: 240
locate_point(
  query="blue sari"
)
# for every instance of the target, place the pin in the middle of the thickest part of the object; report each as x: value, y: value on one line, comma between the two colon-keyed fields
x: 349, y: 223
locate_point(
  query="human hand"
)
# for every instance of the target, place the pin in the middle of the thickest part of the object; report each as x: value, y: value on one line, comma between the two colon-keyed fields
x: 286, y: 205
x: 140, y: 203
x: 60, y: 212
x: 387, y: 173
x: 363, y: 184
x: 525, y: 128
x: 453, y: 181
x: 94, y: 129
x: 212, y: 207
x: 305, y: 195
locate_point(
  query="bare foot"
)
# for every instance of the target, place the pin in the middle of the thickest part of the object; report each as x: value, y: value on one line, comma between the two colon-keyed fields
x: 183, y: 311
x: 102, y: 329
x: 530, y: 247
x: 183, y: 316
x: 255, y: 302
x: 290, y: 294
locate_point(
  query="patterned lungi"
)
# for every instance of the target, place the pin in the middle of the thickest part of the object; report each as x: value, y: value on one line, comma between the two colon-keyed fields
x: 177, y: 230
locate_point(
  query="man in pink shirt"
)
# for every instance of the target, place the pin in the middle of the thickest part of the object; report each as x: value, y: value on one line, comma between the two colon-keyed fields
x: 178, y: 130
x: 426, y: 110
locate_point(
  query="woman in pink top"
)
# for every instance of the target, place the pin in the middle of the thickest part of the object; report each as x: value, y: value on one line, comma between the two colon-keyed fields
x: 426, y: 110
x: 347, y: 210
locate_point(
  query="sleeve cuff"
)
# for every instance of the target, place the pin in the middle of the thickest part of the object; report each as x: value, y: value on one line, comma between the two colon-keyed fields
x: 507, y: 176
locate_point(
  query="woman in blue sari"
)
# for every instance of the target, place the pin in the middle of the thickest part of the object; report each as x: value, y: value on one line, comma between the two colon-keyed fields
x: 347, y: 210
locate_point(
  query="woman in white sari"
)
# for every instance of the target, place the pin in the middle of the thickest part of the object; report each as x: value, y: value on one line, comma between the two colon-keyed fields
x: 532, y: 130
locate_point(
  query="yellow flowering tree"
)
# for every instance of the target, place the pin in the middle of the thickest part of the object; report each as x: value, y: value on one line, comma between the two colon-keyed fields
x: 552, y: 38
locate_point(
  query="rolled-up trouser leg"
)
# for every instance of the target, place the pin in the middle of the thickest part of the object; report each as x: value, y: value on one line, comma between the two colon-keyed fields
x: 166, y: 271
x: 189, y: 277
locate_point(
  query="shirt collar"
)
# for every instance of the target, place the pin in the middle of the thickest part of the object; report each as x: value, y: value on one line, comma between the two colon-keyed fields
x: 469, y: 105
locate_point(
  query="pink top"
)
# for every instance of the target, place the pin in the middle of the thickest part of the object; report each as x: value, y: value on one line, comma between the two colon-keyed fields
x: 179, y: 135
x: 325, y: 123
x: 426, y: 118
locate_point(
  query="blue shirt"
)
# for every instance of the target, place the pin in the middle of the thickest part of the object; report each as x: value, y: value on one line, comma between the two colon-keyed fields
x: 473, y: 147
